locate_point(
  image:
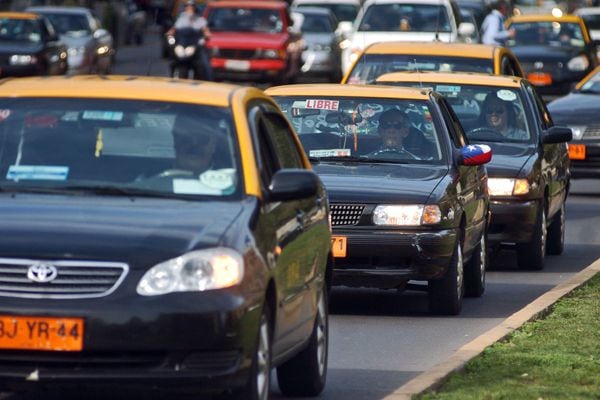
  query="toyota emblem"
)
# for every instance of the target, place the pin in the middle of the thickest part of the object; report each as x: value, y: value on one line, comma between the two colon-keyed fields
x: 42, y: 272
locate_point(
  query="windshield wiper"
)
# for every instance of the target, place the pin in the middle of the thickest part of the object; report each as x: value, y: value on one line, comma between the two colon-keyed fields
x: 115, y: 191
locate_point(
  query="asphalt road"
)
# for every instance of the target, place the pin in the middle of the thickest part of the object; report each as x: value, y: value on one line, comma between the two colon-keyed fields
x: 379, y: 340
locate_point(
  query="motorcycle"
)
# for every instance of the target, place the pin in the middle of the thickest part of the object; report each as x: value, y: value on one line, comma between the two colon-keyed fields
x: 188, y: 45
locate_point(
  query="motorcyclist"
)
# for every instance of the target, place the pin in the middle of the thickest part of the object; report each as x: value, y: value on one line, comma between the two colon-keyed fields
x: 191, y: 29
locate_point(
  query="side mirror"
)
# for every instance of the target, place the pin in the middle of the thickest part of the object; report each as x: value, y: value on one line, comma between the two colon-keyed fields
x: 292, y: 184
x: 557, y: 134
x: 344, y: 28
x: 466, y: 29
x: 475, y: 154
x: 99, y: 33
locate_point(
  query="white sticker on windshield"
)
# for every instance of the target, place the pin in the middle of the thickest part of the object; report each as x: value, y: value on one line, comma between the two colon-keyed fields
x: 37, y: 172
x: 193, y: 186
x: 103, y: 115
x: 333, y: 105
x: 221, y: 179
x: 329, y: 153
x: 506, y: 95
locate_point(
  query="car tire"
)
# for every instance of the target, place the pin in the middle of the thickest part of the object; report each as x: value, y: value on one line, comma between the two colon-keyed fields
x: 258, y: 386
x: 530, y: 256
x: 476, y: 267
x: 556, y: 233
x: 446, y: 294
x: 305, y: 374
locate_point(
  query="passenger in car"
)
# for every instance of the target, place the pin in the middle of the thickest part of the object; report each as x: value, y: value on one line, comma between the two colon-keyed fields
x: 194, y: 146
x: 499, y: 116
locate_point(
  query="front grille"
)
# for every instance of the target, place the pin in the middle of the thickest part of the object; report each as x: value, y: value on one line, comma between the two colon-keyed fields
x: 79, y: 361
x: 592, y: 131
x: 346, y: 214
x: 71, y: 279
x: 212, y: 361
x: 240, y: 54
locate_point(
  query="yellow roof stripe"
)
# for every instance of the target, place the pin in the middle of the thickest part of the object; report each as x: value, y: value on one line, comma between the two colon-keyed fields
x: 339, y: 90
x: 456, y: 78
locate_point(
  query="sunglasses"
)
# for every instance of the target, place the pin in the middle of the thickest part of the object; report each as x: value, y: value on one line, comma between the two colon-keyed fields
x: 192, y: 141
x: 393, y: 124
x: 497, y: 111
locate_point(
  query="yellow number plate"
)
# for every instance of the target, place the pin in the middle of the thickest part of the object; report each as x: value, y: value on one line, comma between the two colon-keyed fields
x: 41, y: 333
x: 338, y: 245
x: 577, y: 151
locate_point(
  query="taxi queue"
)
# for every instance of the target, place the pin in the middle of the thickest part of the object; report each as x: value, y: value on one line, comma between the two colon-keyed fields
x: 170, y: 220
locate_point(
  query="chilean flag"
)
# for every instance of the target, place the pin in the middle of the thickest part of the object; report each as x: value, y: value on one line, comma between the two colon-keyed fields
x: 476, y: 154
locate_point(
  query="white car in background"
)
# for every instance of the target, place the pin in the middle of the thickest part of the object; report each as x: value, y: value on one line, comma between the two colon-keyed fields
x: 344, y: 10
x: 405, y: 20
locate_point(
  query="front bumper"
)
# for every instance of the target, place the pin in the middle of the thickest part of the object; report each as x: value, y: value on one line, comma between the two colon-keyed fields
x: 512, y: 221
x: 197, y: 339
x: 388, y: 259
x: 258, y: 69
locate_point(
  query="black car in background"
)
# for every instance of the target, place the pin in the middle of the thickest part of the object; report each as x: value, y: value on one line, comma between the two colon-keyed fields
x: 580, y: 110
x: 30, y: 46
x: 415, y: 212
x: 529, y: 175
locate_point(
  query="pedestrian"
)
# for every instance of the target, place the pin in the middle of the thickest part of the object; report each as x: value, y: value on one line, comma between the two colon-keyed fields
x: 492, y: 28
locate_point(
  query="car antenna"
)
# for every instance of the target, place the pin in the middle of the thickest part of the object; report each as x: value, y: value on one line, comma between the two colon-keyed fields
x: 418, y: 72
x: 437, y: 24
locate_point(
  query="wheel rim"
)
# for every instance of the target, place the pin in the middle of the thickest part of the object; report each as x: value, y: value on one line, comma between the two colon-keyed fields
x: 482, y: 259
x: 263, y: 358
x: 459, y: 272
x: 321, y: 334
x: 543, y: 233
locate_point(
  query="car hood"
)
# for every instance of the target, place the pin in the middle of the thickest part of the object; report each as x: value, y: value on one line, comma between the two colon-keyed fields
x: 75, y: 41
x: 19, y: 48
x: 508, y: 159
x: 363, y: 39
x: 247, y: 40
x: 549, y: 53
x: 587, y: 108
x: 380, y: 183
x: 137, y: 231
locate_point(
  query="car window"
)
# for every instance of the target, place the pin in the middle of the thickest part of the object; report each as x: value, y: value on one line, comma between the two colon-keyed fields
x: 69, y: 24
x: 592, y: 21
x: 284, y: 145
x: 19, y: 30
x: 165, y: 148
x: 547, y: 33
x: 343, y: 12
x: 315, y: 23
x: 245, y: 20
x: 542, y: 111
x: 370, y: 66
x: 406, y: 17
x: 453, y: 124
x: 351, y: 128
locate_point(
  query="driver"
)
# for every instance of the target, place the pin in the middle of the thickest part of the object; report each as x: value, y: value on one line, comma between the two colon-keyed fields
x: 394, y: 128
x: 499, y: 116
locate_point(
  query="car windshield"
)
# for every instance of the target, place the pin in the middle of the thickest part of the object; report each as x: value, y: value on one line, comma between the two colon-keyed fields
x: 70, y: 24
x: 19, y: 30
x: 547, y: 33
x: 117, y: 147
x: 405, y: 17
x: 592, y: 85
x: 352, y: 129
x: 486, y: 113
x: 223, y: 19
x: 316, y: 23
x: 343, y: 12
x: 370, y: 66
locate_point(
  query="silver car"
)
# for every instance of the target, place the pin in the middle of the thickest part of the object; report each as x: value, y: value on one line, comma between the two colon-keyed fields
x: 91, y: 48
x: 322, y: 54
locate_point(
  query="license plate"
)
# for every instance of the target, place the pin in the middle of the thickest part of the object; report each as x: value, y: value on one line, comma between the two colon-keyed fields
x: 577, y: 151
x: 237, y: 65
x: 540, y: 78
x: 41, y: 333
x: 338, y: 246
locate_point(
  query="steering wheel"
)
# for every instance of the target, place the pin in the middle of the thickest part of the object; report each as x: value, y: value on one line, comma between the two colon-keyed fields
x: 393, y: 153
x: 485, y: 133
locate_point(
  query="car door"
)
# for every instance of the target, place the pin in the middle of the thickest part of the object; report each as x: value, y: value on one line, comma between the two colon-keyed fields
x: 471, y: 190
x: 293, y: 260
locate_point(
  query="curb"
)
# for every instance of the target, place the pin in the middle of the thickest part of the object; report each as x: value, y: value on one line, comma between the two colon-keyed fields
x: 437, y: 375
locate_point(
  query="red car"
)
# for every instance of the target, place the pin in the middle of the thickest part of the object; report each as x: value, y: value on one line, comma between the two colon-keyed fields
x: 252, y: 41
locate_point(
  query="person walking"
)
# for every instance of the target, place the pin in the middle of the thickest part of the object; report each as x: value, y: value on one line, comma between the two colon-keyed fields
x: 492, y: 28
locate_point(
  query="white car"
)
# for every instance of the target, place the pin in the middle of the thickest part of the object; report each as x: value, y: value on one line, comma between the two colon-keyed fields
x: 405, y: 20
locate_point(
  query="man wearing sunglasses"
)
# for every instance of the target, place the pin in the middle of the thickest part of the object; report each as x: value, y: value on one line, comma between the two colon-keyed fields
x: 398, y: 139
x: 499, y: 116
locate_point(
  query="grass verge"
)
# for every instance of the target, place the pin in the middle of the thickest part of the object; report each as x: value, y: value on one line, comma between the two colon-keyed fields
x: 557, y: 357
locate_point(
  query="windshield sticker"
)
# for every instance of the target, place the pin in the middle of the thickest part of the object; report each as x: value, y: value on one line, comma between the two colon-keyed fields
x: 447, y: 89
x: 329, y: 153
x: 103, y: 115
x: 4, y: 114
x: 506, y: 95
x: 322, y: 104
x: 37, y: 172
x: 221, y: 179
x: 193, y: 186
x: 41, y: 121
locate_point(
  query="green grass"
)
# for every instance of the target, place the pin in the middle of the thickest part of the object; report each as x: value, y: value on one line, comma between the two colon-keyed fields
x: 557, y: 357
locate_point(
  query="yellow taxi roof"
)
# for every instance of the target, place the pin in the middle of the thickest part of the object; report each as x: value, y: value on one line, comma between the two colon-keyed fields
x: 337, y: 89
x: 433, y: 48
x: 121, y: 87
x: 543, y: 17
x: 18, y: 15
x: 454, y: 77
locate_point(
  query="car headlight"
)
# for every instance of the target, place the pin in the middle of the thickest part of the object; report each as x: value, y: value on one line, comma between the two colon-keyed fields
x: 508, y: 186
x: 272, y: 53
x: 76, y: 51
x: 578, y: 131
x: 102, y: 50
x: 22, y: 59
x: 407, y: 215
x: 198, y: 270
x: 579, y: 63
